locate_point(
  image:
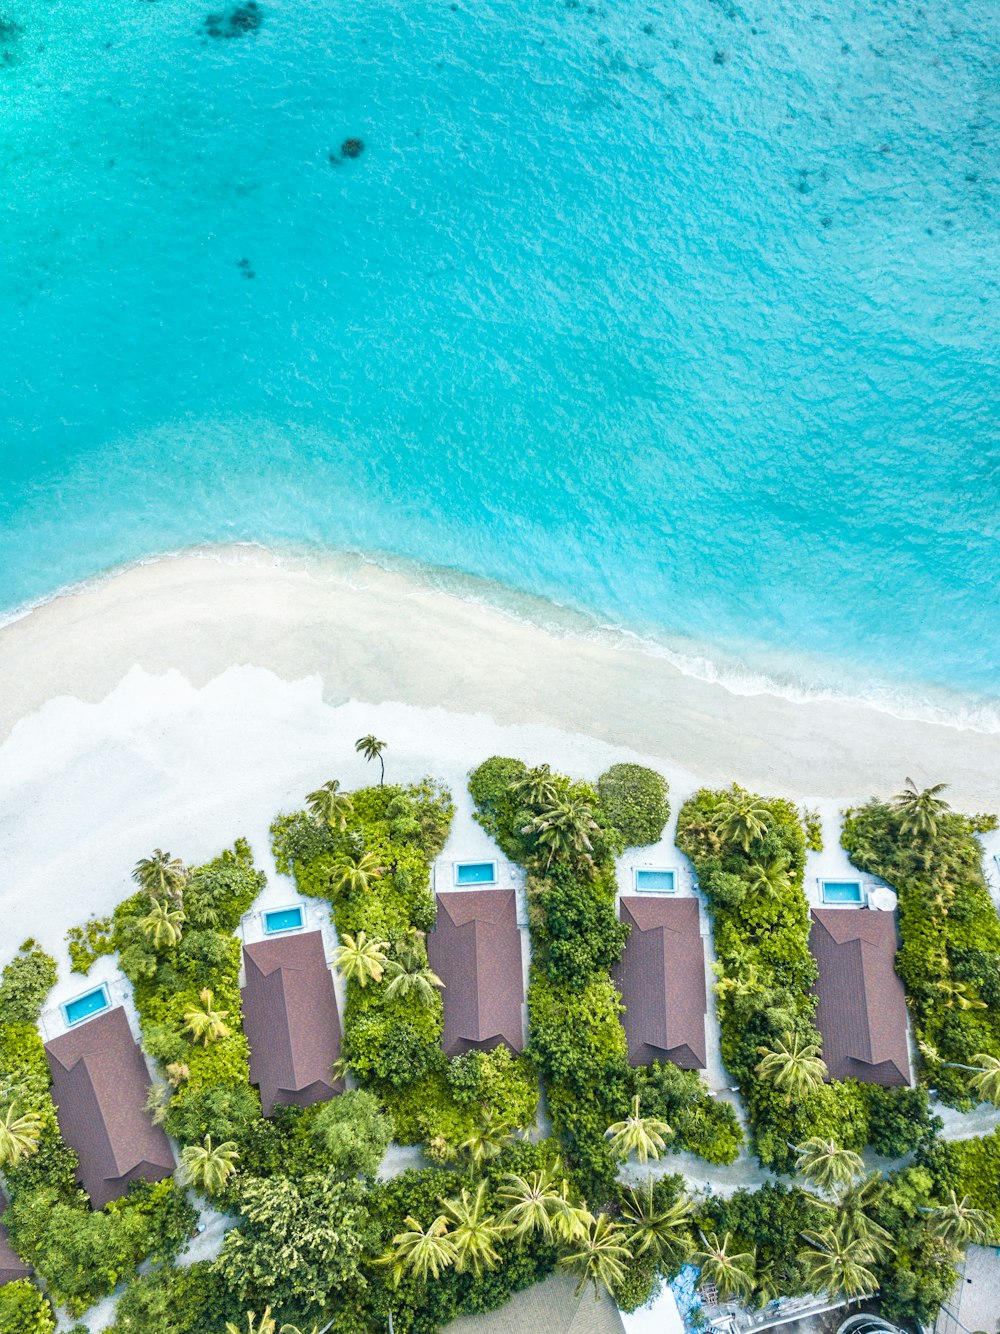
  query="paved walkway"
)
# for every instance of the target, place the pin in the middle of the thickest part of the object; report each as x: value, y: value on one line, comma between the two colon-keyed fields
x: 974, y: 1306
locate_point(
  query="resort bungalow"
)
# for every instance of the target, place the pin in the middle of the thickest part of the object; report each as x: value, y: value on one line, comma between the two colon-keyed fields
x: 661, y: 976
x: 861, y: 1014
x: 99, y: 1086
x: 12, y: 1267
x: 475, y: 949
x: 291, y: 1021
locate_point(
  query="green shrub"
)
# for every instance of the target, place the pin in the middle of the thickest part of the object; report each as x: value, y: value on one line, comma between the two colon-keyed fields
x: 498, y: 808
x: 635, y: 801
x: 814, y: 830
x: 700, y: 1123
x: 87, y: 943
x: 24, y: 1310
x: 351, y: 1134
x: 25, y: 983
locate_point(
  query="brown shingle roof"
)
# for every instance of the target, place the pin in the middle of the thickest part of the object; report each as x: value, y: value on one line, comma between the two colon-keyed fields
x: 661, y: 976
x: 291, y: 1020
x: 861, y: 1012
x: 475, y: 948
x: 12, y: 1267
x: 99, y: 1086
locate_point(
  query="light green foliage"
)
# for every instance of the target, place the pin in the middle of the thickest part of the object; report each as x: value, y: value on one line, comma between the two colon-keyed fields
x: 950, y: 955
x: 26, y: 981
x: 351, y: 1133
x: 87, y: 943
x: 300, y: 1242
x: 983, y: 823
x: 24, y: 1310
x: 700, y: 1124
x: 814, y: 830
x: 634, y: 801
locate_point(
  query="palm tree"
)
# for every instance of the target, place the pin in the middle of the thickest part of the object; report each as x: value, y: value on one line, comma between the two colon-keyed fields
x: 849, y: 1212
x: 769, y: 880
x: 959, y: 995
x: 19, y: 1135
x: 921, y: 811
x: 157, y: 1106
x: 957, y: 1223
x: 359, y: 959
x: 161, y: 875
x: 659, y: 1232
x: 475, y: 1233
x: 745, y: 819
x: 205, y: 1024
x: 421, y: 983
x: 487, y: 1141
x: 827, y: 1166
x: 571, y: 1221
x: 164, y: 926
x: 837, y: 1263
x: 371, y: 748
x: 208, y: 1166
x: 638, y: 1134
x: 329, y: 806
x: 564, y: 827
x: 532, y: 1203
x: 266, y: 1326
x: 792, y: 1065
x: 599, y: 1255
x: 986, y: 1081
x: 353, y: 873
x: 539, y: 787
x: 731, y: 1274
x: 422, y: 1252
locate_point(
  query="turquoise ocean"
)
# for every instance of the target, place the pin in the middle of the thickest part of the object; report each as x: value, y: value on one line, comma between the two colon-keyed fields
x: 683, y: 316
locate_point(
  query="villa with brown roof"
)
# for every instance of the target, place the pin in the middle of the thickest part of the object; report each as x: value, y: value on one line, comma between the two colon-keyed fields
x: 661, y: 976
x: 12, y: 1267
x: 291, y: 1021
x: 475, y: 949
x: 861, y: 1011
x: 99, y: 1085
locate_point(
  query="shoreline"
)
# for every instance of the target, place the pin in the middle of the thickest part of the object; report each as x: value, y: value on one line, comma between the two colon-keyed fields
x: 377, y: 636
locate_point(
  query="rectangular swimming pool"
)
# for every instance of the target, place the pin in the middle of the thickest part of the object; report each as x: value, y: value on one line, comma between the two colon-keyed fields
x: 842, y: 891
x: 654, y: 881
x: 86, y: 1006
x: 475, y: 873
x: 283, y: 919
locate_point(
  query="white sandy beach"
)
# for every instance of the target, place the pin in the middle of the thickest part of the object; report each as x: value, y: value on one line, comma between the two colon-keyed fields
x: 183, y: 702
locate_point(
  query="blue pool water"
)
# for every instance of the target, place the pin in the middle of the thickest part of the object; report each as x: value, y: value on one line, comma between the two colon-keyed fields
x: 87, y: 1005
x: 663, y: 881
x: 282, y: 919
x: 683, y: 316
x: 475, y: 873
x: 842, y: 891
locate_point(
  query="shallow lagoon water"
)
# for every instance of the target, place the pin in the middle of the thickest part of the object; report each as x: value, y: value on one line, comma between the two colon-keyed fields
x: 680, y: 316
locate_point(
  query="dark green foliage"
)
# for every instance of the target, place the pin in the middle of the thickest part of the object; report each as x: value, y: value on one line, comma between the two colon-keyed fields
x: 26, y: 981
x: 189, y: 1300
x: 766, y: 969
x: 920, y: 1275
x: 351, y: 1134
x: 575, y: 929
x: 634, y: 800
x: 24, y: 1310
x: 224, y: 1111
x: 770, y: 1220
x: 950, y: 936
x: 700, y: 1123
x: 498, y: 808
x: 898, y: 1119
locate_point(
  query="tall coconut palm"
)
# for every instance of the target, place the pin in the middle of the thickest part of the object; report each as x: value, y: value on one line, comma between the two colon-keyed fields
x: 164, y: 926
x: 539, y: 787
x: 638, y: 1134
x: 161, y: 875
x: 985, y: 1082
x: 474, y: 1233
x: 486, y: 1142
x: 792, y: 1065
x: 732, y: 1273
x: 572, y: 1220
x: 353, y: 873
x: 421, y: 983
x: 849, y: 1212
x: 744, y: 819
x: 423, y: 1252
x: 532, y: 1201
x: 265, y: 1324
x: 661, y: 1232
x: 836, y: 1262
x: 205, y: 1024
x: 329, y: 806
x: 209, y: 1166
x: 359, y: 959
x: 564, y: 828
x: 19, y: 1135
x: 958, y: 1224
x: 598, y: 1256
x: 769, y: 880
x: 827, y: 1166
x: 959, y: 995
x: 371, y: 748
x: 921, y: 810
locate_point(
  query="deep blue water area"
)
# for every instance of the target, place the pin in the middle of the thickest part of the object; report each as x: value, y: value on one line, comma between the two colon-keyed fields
x: 684, y: 315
